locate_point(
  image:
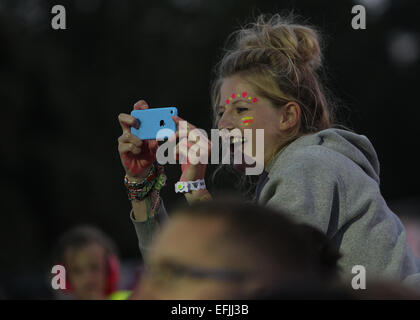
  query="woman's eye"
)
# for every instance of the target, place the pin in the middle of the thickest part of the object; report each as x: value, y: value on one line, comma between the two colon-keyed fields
x: 241, y: 109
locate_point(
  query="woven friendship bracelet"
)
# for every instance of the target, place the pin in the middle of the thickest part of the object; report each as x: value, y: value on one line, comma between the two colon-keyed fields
x: 139, y: 185
x: 139, y: 190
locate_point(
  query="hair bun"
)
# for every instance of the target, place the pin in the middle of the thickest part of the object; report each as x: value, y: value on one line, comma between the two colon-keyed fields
x: 298, y: 42
x: 308, y: 46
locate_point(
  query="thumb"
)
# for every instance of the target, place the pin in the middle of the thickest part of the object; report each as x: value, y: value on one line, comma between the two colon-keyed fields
x: 141, y: 105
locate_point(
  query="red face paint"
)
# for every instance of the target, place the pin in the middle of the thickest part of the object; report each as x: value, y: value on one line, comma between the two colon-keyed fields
x: 243, y: 95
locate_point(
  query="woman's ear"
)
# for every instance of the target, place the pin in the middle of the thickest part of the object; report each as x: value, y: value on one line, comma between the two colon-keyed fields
x: 289, y: 116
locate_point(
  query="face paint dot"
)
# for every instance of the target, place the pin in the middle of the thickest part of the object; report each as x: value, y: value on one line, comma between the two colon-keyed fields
x: 233, y: 95
x: 227, y: 101
x: 246, y: 124
x: 244, y: 94
x: 249, y: 98
x: 230, y: 98
x: 254, y: 100
x: 238, y: 95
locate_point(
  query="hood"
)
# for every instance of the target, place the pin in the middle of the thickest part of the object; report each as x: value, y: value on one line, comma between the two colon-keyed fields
x: 353, y: 146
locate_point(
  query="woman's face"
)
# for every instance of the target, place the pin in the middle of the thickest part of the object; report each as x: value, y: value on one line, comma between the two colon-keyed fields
x: 245, y: 113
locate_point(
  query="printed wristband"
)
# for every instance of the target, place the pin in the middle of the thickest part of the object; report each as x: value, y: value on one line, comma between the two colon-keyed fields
x: 188, y: 186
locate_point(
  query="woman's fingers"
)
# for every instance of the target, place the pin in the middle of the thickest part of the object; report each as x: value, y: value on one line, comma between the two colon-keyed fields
x: 129, y: 143
x: 124, y: 148
x: 127, y: 121
x: 153, y: 145
x: 130, y: 138
x: 178, y: 119
x: 191, y: 137
x: 136, y: 155
x: 141, y: 105
x: 187, y: 127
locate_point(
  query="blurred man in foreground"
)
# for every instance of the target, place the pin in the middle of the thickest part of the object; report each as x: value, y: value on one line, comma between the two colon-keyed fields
x: 226, y: 250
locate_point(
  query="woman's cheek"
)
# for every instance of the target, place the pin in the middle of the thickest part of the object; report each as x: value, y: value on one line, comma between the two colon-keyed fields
x: 247, y: 121
x: 250, y: 134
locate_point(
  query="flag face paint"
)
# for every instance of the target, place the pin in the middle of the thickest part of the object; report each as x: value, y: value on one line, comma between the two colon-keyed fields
x: 247, y: 120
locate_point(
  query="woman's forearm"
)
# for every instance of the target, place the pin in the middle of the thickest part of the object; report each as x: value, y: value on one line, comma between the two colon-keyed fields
x: 198, y: 195
x: 139, y: 210
x: 147, y: 225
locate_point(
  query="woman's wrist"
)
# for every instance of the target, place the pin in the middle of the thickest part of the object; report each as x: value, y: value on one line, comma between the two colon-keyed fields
x: 192, y: 172
x: 140, y: 213
x: 141, y: 176
x: 144, y: 193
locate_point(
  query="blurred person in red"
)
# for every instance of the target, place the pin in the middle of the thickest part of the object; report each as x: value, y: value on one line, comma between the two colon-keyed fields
x: 91, y: 263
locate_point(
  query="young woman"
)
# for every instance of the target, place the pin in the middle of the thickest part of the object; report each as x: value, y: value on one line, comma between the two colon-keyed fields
x: 326, y: 177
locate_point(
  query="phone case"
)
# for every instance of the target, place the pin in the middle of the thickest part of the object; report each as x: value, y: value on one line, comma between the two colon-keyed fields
x: 155, y: 123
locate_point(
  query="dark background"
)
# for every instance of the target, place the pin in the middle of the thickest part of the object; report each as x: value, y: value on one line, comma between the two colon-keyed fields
x: 62, y: 90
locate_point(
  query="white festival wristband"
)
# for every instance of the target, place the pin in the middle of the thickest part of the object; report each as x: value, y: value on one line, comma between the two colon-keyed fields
x: 187, y: 186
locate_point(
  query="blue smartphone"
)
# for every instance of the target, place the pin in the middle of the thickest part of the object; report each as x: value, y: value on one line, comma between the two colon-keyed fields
x: 155, y: 123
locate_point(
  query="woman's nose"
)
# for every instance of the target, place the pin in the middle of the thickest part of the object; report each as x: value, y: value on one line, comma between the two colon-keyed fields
x: 225, y: 122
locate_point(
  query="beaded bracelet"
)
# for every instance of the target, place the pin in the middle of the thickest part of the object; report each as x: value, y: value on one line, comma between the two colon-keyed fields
x: 139, y: 185
x: 139, y: 190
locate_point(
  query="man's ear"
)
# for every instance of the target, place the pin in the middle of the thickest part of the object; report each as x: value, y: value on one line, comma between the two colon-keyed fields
x: 290, y: 116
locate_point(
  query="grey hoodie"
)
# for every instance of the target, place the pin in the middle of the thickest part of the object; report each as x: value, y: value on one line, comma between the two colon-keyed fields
x: 330, y: 180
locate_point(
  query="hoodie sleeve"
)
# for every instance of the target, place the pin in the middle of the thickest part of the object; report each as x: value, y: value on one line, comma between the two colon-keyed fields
x: 146, y: 230
x: 323, y: 188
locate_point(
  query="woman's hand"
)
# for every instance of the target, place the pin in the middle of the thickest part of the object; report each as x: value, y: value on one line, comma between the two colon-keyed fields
x: 137, y: 156
x: 199, y: 148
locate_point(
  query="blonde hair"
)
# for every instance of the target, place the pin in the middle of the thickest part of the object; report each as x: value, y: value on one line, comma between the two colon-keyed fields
x: 280, y: 60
